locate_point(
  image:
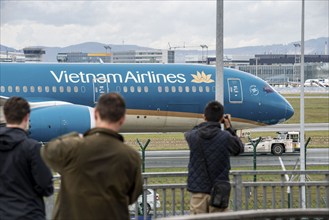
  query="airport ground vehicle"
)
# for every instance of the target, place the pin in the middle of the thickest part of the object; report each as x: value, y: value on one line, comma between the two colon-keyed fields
x: 317, y: 82
x: 285, y: 142
x: 150, y: 202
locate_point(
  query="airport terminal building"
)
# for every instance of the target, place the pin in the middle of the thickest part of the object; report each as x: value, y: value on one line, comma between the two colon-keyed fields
x: 279, y: 69
x: 285, y: 68
x: 132, y: 56
x: 29, y: 54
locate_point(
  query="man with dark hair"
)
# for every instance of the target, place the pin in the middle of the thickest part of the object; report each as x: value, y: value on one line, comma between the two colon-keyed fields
x: 210, y: 149
x: 24, y: 178
x: 100, y: 175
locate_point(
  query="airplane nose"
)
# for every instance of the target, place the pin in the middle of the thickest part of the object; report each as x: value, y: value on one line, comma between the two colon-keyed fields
x: 289, y: 111
x: 275, y: 107
x: 284, y: 109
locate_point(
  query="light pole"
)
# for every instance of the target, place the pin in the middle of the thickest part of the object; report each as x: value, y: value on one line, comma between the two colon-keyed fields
x: 296, y: 45
x: 204, y: 46
x: 256, y: 58
x: 302, y: 120
x: 106, y: 48
x: 220, y: 51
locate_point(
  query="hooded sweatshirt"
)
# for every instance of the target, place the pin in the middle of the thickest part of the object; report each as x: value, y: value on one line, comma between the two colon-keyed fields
x: 24, y: 178
x: 210, y: 150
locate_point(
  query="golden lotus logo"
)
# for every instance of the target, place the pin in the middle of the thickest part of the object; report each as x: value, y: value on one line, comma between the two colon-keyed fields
x: 202, y: 78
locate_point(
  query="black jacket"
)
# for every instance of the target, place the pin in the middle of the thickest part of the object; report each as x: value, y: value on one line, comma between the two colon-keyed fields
x: 24, y: 178
x: 208, y: 140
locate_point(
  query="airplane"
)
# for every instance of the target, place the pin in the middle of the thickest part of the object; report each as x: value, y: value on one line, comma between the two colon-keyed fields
x: 159, y: 97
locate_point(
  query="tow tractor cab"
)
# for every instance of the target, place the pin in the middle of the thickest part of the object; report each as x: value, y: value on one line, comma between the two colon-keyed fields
x: 291, y: 135
x: 285, y: 142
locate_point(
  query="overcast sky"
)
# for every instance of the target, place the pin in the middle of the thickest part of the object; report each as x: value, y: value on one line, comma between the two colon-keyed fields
x: 157, y: 23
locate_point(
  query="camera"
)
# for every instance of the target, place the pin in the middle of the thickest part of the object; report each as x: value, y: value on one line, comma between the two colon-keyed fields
x: 225, y: 117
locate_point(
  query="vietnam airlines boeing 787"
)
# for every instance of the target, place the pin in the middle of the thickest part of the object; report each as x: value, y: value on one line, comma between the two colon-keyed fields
x: 159, y: 97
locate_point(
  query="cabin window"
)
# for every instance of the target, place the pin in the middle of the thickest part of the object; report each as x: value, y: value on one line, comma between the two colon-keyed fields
x: 3, y: 89
x: 193, y: 88
x: 54, y: 89
x: 146, y: 89
x: 173, y: 89
x: 61, y: 89
x: 132, y: 89
x: 47, y: 89
x: 75, y: 89
x: 200, y: 89
x: 187, y: 89
x: 68, y: 89
x: 180, y: 89
x: 207, y: 89
x: 139, y: 89
x: 39, y: 88
x: 17, y: 89
x: 25, y: 89
x: 159, y: 89
x: 32, y: 88
x: 166, y: 89
x: 125, y: 89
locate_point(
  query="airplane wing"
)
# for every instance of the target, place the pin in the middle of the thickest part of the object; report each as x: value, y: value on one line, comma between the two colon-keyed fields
x: 34, y: 104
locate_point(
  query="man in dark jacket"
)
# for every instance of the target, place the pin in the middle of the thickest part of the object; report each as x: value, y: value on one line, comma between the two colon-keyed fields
x: 24, y: 178
x: 100, y: 175
x: 210, y: 150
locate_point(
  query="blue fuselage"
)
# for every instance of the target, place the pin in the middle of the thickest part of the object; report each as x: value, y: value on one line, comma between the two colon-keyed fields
x: 150, y: 90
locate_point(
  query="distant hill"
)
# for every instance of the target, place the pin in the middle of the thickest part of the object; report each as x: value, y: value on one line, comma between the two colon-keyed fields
x: 313, y: 46
x: 9, y: 49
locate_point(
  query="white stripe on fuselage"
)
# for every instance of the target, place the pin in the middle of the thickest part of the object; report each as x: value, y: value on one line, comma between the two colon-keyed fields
x: 47, y: 104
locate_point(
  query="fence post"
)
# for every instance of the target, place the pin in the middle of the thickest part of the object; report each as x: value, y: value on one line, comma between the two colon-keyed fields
x: 237, y: 202
x: 254, y: 144
x: 49, y: 203
x: 327, y: 192
x: 144, y: 198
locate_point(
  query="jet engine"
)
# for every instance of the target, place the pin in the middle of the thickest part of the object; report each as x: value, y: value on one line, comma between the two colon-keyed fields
x: 53, y: 121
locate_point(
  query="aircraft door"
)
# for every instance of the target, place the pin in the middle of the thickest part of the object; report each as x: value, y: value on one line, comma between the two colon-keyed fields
x: 235, y: 90
x: 99, y: 89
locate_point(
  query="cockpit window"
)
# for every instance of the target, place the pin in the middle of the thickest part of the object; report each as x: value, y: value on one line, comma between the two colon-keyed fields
x: 268, y: 89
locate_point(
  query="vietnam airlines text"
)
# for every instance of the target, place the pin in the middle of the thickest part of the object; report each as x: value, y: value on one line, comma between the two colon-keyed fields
x: 130, y: 76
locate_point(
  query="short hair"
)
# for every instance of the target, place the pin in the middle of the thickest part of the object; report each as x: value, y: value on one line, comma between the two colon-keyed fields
x: 111, y: 107
x: 214, y: 111
x: 15, y: 109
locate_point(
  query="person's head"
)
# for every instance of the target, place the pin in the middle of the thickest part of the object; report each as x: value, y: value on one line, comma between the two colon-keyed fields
x: 110, y: 109
x: 17, y: 111
x: 214, y: 111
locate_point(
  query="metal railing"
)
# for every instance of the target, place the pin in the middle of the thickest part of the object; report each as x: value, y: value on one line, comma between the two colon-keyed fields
x: 268, y: 214
x: 270, y: 191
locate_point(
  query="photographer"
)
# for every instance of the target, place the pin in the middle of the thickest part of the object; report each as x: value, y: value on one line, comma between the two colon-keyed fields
x: 210, y: 150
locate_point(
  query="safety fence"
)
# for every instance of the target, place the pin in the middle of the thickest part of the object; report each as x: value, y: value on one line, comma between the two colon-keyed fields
x: 264, y: 214
x: 165, y: 194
